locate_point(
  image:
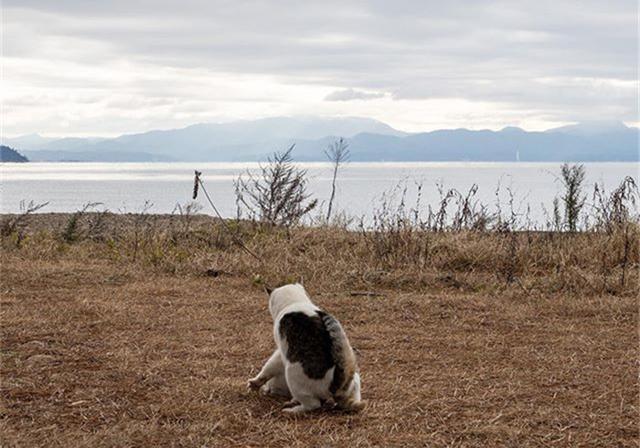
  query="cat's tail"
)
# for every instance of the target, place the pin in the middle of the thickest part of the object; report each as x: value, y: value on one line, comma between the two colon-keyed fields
x: 345, y: 385
x: 353, y: 406
x: 349, y: 399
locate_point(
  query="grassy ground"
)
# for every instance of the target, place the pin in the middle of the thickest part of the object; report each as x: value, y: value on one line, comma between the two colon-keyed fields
x: 103, y: 346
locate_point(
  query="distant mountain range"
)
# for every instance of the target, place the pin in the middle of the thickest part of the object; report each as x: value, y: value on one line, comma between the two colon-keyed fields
x: 369, y: 140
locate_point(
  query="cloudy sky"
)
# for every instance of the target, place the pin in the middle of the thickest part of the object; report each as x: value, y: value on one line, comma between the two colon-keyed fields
x: 81, y: 67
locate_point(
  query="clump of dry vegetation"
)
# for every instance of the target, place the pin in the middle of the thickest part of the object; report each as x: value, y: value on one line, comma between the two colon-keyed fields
x: 458, y: 241
x: 278, y: 196
x: 586, y: 249
x: 472, y: 329
x: 393, y: 255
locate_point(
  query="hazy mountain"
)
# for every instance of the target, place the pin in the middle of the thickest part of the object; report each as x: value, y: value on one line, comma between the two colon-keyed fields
x: 571, y: 143
x: 11, y: 155
x: 30, y: 141
x: 588, y: 128
x: 506, y: 145
x: 68, y: 144
x: 242, y: 140
x: 369, y: 140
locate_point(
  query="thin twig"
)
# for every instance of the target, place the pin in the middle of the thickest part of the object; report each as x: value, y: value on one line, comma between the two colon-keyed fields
x: 236, y: 240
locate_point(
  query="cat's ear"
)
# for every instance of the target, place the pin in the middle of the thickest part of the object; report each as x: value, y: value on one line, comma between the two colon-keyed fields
x: 301, y: 280
x: 268, y: 290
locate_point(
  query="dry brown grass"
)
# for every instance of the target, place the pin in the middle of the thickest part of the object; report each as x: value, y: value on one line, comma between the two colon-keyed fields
x: 116, y: 340
x: 584, y: 263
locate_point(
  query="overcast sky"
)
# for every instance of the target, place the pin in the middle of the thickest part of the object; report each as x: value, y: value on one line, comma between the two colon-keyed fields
x: 110, y: 67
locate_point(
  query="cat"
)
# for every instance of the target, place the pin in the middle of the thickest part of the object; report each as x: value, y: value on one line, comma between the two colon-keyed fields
x: 313, y: 361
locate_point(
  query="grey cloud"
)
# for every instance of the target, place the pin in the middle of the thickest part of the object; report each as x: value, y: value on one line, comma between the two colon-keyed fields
x: 352, y: 94
x: 491, y: 51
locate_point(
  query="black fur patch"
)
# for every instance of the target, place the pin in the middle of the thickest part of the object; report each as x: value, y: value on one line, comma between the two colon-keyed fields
x: 309, y: 342
x: 338, y: 374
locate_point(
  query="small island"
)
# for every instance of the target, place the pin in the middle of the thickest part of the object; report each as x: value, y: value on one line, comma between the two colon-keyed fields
x: 8, y: 154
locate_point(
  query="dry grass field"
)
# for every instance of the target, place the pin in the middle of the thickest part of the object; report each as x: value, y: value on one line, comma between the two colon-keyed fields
x: 143, y: 332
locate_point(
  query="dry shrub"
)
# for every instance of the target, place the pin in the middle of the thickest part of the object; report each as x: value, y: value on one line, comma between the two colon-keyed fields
x: 278, y: 195
x: 12, y: 226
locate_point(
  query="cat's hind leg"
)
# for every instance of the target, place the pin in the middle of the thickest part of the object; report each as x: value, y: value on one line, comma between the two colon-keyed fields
x: 302, y: 390
x: 277, y: 387
x: 306, y: 403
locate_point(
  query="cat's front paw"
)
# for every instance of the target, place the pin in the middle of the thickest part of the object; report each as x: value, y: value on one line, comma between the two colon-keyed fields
x: 255, y: 383
x: 290, y: 403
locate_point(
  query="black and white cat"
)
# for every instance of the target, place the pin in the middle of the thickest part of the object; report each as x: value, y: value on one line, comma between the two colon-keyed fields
x: 313, y: 361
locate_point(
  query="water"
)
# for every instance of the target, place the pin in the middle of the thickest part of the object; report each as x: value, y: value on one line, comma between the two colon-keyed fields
x: 125, y: 187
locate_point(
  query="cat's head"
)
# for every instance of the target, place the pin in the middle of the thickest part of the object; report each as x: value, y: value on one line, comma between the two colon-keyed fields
x: 285, y: 296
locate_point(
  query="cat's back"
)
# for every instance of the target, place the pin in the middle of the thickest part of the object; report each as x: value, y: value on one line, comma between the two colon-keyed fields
x: 307, y: 340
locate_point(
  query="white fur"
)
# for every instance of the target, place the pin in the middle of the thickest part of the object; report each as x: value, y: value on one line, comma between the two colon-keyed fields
x: 281, y: 377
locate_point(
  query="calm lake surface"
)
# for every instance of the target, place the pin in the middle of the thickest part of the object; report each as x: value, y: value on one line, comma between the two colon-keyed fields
x: 125, y: 187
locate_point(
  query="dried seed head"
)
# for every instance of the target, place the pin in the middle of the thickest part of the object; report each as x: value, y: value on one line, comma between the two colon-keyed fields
x: 196, y: 182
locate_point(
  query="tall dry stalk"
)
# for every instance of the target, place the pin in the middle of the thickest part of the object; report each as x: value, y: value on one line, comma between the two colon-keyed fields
x: 141, y: 228
x: 337, y: 153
